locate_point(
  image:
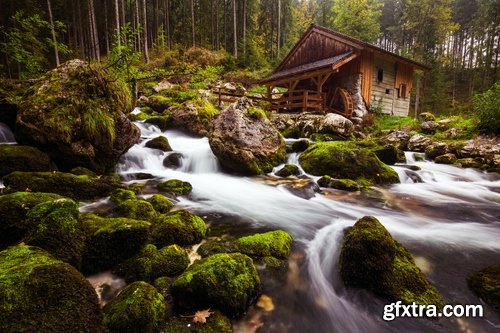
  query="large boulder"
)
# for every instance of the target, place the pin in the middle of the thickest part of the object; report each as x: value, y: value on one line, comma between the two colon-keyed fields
x: 371, y: 259
x: 22, y: 158
x: 77, y: 114
x: 340, y: 159
x: 41, y: 294
x: 228, y: 282
x: 276, y: 243
x: 244, y: 143
x: 66, y: 184
x: 179, y: 227
x: 334, y: 123
x: 195, y: 117
x: 486, y: 284
x: 139, y: 308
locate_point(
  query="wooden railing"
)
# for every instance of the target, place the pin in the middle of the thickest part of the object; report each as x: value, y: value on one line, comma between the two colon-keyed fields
x: 300, y: 100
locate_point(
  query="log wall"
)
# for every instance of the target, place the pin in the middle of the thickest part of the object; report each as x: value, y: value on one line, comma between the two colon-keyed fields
x: 385, y: 93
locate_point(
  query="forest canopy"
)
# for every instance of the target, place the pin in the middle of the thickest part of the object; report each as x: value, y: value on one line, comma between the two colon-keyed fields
x: 458, y: 39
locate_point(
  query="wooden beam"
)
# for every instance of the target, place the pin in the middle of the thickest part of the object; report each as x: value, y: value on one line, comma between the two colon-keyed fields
x: 344, y: 61
x: 303, y: 76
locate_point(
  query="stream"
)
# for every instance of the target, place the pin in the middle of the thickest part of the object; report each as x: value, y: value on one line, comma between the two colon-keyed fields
x: 447, y: 217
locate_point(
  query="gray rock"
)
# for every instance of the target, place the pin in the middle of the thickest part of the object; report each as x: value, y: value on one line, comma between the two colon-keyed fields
x: 418, y: 143
x: 399, y: 139
x: 334, y: 123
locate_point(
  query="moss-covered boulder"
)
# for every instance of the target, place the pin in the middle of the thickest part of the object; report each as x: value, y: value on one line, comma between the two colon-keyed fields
x: 346, y: 161
x: 195, y: 117
x: 180, y: 227
x: 276, y: 243
x: 58, y: 230
x: 160, y: 203
x: 136, y: 209
x: 371, y: 259
x: 22, y: 158
x: 245, y: 144
x: 120, y: 195
x: 449, y: 158
x: 111, y: 241
x: 486, y: 284
x: 344, y: 185
x: 162, y: 122
x: 175, y: 186
x: 65, y: 184
x: 324, y: 181
x: 216, y: 323
x: 152, y: 263
x: 14, y: 208
x: 41, y: 294
x: 160, y: 142
x: 77, y: 114
x: 139, y: 308
x: 228, y: 282
x: 288, y: 170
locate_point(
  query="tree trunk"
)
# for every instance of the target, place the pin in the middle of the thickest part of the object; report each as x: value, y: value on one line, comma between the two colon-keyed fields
x: 53, y: 31
x: 138, y: 24
x: 106, y: 26
x: 235, y: 32
x: 145, y: 21
x: 155, y: 30
x: 193, y: 40
x: 279, y: 29
x: 167, y: 22
x: 117, y: 17
x: 93, y: 30
x: 245, y: 30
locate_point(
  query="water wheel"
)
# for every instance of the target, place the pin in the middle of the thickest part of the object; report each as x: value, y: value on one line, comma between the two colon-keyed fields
x: 341, y: 102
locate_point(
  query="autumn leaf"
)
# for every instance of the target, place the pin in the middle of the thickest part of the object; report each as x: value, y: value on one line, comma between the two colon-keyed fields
x: 200, y: 317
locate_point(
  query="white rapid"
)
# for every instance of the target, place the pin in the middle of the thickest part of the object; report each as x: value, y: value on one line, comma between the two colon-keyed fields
x: 6, y: 135
x: 450, y: 210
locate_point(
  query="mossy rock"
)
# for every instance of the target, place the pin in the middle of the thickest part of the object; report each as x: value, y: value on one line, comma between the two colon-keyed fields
x: 486, y: 284
x: 111, y: 241
x: 273, y: 272
x: 445, y: 159
x: 160, y: 142
x: 152, y: 263
x: 276, y: 243
x: 180, y: 227
x: 288, y: 170
x: 389, y: 154
x: 58, y: 230
x: 136, y: 209
x: 216, y: 323
x: 139, y: 308
x: 227, y: 282
x: 65, y: 184
x: 22, y: 158
x: 371, y: 259
x: 42, y: 294
x: 214, y: 246
x: 160, y: 203
x: 175, y: 186
x: 81, y: 171
x: 324, y: 181
x: 291, y: 132
x: 14, y: 208
x: 346, y: 161
x: 300, y: 145
x: 76, y: 113
x: 345, y: 185
x: 162, y: 122
x: 468, y: 162
x: 120, y: 195
x: 159, y: 103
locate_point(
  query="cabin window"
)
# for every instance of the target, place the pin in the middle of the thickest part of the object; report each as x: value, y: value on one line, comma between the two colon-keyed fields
x: 402, y: 93
x: 380, y: 75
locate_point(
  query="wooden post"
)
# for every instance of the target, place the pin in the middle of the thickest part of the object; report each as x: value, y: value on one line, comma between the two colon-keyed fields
x: 417, y: 97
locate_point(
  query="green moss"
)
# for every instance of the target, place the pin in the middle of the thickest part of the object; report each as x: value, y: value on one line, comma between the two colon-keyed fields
x: 81, y: 171
x: 160, y: 203
x: 291, y: 132
x: 57, y: 230
x: 159, y: 102
x: 371, y: 259
x: 288, y: 170
x: 120, y: 195
x: 136, y: 209
x: 206, y: 110
x: 486, y: 284
x: 445, y: 159
x: 216, y: 323
x: 276, y: 243
x: 163, y: 122
x: 22, y: 158
x: 228, y: 282
x: 468, y: 163
x: 345, y: 185
x: 66, y: 184
x: 213, y: 246
x: 324, y: 181
x: 14, y: 209
x: 175, y: 186
x: 346, y: 161
x: 180, y: 227
x: 152, y: 263
x: 139, y: 308
x: 160, y: 142
x: 111, y: 241
x: 256, y: 113
x: 38, y: 291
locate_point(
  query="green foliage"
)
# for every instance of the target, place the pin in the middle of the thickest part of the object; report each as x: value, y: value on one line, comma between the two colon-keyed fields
x: 357, y: 18
x: 487, y: 108
x: 123, y: 56
x: 386, y: 122
x: 256, y: 113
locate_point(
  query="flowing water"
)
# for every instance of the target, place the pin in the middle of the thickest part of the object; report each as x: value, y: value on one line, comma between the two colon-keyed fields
x: 6, y: 135
x: 449, y: 219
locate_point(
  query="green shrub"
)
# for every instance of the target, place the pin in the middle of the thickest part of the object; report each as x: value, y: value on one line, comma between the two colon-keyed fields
x: 487, y: 108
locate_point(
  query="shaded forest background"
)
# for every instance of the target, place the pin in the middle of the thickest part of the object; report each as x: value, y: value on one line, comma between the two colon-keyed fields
x: 459, y: 39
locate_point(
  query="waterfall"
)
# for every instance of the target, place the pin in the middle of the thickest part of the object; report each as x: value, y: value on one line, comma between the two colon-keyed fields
x: 6, y: 135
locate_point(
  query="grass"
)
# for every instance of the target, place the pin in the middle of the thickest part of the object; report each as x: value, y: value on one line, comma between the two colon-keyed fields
x: 386, y: 122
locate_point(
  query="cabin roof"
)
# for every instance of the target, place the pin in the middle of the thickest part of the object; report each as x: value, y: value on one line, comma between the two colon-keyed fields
x: 312, y: 66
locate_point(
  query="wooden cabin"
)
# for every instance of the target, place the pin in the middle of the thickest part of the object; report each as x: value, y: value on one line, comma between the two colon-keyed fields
x: 328, y: 71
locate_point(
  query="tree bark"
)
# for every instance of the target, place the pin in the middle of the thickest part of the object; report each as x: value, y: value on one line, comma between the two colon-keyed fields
x: 279, y: 29
x: 117, y: 17
x: 193, y: 40
x: 235, y: 32
x: 145, y: 21
x: 53, y: 31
